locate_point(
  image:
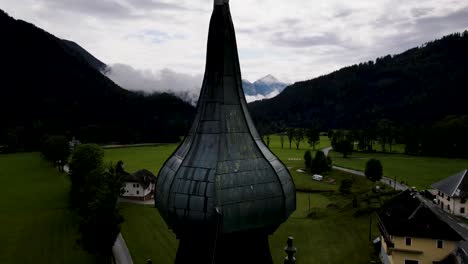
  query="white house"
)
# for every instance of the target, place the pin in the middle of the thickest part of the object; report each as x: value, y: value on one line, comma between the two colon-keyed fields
x: 452, y: 193
x: 139, y: 185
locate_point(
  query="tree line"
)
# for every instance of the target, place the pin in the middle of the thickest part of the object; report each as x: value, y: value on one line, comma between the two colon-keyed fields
x: 291, y: 136
x: 445, y: 138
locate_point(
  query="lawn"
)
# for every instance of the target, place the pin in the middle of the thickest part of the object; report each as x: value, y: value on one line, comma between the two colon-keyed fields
x: 35, y: 223
x: 136, y: 158
x: 420, y: 172
x: 332, y: 235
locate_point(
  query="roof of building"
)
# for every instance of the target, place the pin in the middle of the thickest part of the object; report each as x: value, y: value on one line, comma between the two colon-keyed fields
x: 455, y: 185
x: 222, y: 170
x: 144, y: 177
x: 410, y: 215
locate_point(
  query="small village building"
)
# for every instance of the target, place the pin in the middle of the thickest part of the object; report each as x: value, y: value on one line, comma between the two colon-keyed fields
x: 139, y: 185
x: 415, y: 230
x: 452, y: 193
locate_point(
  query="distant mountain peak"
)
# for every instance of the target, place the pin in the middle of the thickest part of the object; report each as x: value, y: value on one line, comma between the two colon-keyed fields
x: 266, y: 87
x: 269, y: 79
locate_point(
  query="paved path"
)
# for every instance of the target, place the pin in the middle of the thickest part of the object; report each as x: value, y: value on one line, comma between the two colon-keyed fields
x: 120, y: 251
x: 398, y: 186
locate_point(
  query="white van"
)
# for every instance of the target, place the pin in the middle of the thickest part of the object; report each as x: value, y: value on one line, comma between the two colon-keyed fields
x: 317, y: 177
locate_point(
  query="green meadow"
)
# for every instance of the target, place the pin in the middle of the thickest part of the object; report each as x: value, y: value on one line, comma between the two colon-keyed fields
x: 416, y: 171
x: 331, y: 235
x: 35, y: 223
x: 37, y: 226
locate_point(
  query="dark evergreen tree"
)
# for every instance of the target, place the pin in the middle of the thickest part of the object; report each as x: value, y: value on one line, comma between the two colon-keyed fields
x: 374, y: 170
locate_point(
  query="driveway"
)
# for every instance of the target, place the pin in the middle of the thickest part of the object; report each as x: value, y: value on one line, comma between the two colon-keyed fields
x: 120, y: 251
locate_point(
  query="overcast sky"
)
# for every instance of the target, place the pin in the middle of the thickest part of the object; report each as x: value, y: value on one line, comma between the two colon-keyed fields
x: 293, y: 40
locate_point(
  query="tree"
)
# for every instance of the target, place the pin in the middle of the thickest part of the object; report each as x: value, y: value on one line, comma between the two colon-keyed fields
x: 385, y: 132
x: 313, y: 137
x: 268, y: 140
x: 345, y: 186
x: 342, y: 142
x: 94, y: 194
x: 281, y: 135
x: 374, y: 170
x: 290, y: 133
x: 12, y: 141
x: 308, y: 159
x: 329, y: 163
x: 85, y: 161
x: 57, y: 150
x: 101, y: 223
x: 298, y: 136
x: 320, y: 163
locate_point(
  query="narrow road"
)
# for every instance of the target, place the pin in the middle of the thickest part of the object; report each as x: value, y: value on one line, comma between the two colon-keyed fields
x: 386, y: 180
x: 120, y: 251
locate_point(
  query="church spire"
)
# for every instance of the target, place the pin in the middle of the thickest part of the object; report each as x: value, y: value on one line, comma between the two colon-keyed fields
x: 223, y: 178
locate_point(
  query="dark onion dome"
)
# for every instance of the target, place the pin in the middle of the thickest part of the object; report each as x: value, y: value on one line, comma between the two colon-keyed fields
x: 222, y: 172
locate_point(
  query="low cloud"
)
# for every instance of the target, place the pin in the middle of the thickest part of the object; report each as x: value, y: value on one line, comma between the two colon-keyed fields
x: 259, y: 97
x: 182, y: 85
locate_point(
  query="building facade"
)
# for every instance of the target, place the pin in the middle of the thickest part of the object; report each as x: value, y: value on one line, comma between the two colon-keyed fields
x: 139, y: 185
x: 451, y: 194
x: 416, y: 231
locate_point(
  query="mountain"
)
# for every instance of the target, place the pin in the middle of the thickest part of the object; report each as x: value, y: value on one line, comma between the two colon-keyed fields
x: 88, y: 57
x: 264, y: 86
x: 49, y: 86
x: 416, y: 88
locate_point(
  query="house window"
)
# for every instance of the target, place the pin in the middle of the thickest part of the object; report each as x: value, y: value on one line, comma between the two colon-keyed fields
x: 440, y: 244
x: 448, y: 198
x: 462, y: 210
x: 442, y: 195
x: 463, y: 200
x: 408, y: 261
x: 438, y: 193
x: 408, y: 241
x: 138, y: 185
x: 138, y: 192
x: 448, y: 207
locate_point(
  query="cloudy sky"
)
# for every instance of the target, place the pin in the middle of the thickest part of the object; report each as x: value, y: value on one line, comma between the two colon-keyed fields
x: 293, y: 40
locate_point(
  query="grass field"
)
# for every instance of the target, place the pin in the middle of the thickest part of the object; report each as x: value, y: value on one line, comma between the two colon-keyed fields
x: 420, y: 172
x: 135, y: 158
x: 332, y: 235
x: 35, y: 224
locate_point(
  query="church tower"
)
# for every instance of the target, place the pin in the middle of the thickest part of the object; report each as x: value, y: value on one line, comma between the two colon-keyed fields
x: 223, y: 192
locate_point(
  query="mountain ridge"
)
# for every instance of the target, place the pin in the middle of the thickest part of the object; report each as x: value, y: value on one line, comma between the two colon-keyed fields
x: 417, y: 87
x: 50, y: 88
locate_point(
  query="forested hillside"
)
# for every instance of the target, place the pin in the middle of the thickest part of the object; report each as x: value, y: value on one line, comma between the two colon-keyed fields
x: 422, y: 93
x: 49, y: 87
